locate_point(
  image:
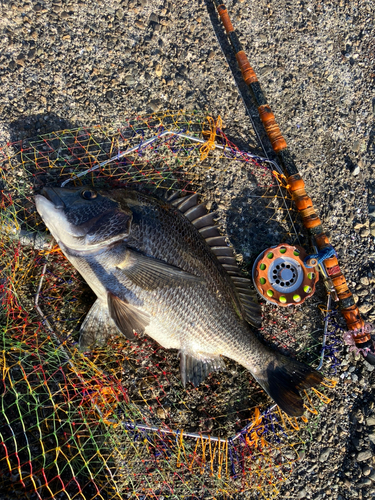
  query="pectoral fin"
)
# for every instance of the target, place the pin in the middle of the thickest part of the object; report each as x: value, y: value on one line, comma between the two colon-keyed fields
x: 194, y: 368
x: 150, y: 274
x: 97, y: 327
x: 128, y: 318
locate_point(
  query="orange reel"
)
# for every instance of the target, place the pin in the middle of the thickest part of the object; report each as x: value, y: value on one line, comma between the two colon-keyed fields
x: 280, y: 276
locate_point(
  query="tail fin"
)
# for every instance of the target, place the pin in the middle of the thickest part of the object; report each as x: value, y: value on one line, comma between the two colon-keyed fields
x: 283, y: 379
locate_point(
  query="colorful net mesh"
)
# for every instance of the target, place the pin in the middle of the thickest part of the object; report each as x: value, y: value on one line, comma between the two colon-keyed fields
x: 117, y: 423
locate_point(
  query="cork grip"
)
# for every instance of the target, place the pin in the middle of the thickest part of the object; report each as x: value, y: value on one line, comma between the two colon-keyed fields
x: 311, y: 220
x: 278, y: 142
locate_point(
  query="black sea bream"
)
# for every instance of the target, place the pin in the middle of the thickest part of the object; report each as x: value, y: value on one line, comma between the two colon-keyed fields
x: 164, y: 269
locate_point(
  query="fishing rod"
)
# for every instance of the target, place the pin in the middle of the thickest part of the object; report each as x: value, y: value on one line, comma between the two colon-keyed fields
x: 326, y: 257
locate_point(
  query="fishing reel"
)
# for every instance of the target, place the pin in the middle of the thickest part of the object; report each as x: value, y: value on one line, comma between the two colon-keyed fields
x: 280, y: 276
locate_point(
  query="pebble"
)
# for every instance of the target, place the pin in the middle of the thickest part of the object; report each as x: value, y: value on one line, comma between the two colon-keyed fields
x: 155, y: 105
x: 161, y: 413
x: 366, y: 470
x: 140, y: 25
x: 130, y: 80
x: 370, y: 421
x: 365, y: 482
x: 356, y: 171
x: 154, y: 18
x: 365, y: 308
x: 364, y: 455
x: 324, y: 454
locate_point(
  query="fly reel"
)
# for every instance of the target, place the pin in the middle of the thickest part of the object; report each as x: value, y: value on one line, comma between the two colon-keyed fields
x: 280, y: 276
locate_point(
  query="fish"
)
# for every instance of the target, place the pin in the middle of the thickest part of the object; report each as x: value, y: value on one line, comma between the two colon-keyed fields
x: 163, y: 269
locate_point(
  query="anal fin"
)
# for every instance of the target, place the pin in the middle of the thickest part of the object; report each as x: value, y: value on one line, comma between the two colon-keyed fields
x: 194, y: 368
x: 96, y: 327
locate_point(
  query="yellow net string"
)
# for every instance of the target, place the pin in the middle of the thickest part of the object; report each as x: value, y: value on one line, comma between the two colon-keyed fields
x: 209, y: 145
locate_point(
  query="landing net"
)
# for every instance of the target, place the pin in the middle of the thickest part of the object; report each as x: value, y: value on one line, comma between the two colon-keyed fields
x: 117, y: 423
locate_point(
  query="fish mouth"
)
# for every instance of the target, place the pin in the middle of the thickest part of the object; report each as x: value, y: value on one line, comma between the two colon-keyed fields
x: 53, y: 197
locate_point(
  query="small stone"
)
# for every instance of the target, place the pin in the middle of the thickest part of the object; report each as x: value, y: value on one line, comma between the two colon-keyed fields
x: 37, y: 7
x: 324, y: 454
x: 364, y: 455
x: 355, y: 171
x: 140, y: 25
x: 365, y: 281
x: 158, y: 70
x: 370, y: 421
x: 366, y: 470
x: 364, y: 482
x: 119, y: 14
x: 330, y: 78
x: 364, y: 232
x: 130, y: 80
x: 21, y: 59
x: 365, y: 308
x: 161, y: 413
x: 154, y: 18
x: 368, y: 367
x: 155, y: 105
x: 211, y: 55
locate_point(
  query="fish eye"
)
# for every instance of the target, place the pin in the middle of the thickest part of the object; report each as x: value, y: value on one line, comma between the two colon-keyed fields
x: 89, y: 194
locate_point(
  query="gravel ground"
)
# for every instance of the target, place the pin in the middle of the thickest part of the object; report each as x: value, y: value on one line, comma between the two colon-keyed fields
x: 72, y: 63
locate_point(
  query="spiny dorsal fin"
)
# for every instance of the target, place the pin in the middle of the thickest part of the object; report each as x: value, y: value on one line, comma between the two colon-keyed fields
x: 183, y: 204
x: 205, y: 223
x: 209, y: 231
x: 195, y: 212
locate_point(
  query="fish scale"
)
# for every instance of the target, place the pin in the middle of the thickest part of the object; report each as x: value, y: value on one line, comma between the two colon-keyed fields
x: 154, y: 273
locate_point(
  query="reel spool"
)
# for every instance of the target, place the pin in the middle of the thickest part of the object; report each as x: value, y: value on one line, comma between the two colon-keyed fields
x: 280, y: 276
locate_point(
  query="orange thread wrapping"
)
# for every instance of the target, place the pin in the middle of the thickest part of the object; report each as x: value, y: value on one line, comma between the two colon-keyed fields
x: 224, y: 16
x: 331, y: 271
x: 355, y: 322
x: 248, y: 74
x: 273, y: 131
x: 303, y: 202
x: 307, y: 212
x: 311, y: 221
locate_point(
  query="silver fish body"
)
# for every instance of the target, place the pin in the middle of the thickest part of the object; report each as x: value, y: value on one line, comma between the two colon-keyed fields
x: 160, y: 271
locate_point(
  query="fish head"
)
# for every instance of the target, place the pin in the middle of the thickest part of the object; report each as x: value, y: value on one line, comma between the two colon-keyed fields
x: 83, y: 218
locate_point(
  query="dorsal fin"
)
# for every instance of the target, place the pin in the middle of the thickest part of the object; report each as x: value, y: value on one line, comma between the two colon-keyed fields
x: 205, y: 223
x: 183, y: 204
x: 215, y: 241
x: 209, y: 231
x: 171, y: 196
x: 195, y: 212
